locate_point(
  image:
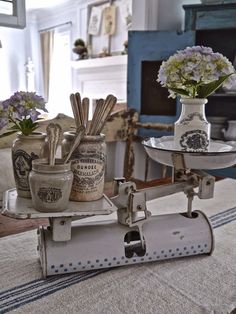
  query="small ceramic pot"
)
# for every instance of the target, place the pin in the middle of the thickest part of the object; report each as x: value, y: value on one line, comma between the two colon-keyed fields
x: 50, y: 185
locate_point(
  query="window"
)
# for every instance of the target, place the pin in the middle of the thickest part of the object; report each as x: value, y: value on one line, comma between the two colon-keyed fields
x: 60, y: 75
x: 12, y: 13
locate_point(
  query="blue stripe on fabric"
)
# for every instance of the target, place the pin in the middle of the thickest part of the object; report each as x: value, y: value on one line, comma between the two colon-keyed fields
x: 45, y: 292
x: 222, y: 223
x: 213, y: 217
x: 56, y: 283
x: 30, y: 285
x: 63, y: 280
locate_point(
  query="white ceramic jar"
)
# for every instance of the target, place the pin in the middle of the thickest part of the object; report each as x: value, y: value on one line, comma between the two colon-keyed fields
x: 50, y: 185
x: 24, y: 150
x: 192, y: 130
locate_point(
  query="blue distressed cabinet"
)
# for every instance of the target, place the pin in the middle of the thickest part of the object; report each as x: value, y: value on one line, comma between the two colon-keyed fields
x: 212, y: 16
x: 207, y: 25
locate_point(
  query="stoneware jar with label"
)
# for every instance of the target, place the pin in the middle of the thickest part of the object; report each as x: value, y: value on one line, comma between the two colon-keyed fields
x: 88, y: 165
x: 50, y: 185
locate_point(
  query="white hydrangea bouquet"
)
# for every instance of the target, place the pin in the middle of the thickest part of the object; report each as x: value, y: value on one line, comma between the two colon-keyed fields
x: 196, y: 72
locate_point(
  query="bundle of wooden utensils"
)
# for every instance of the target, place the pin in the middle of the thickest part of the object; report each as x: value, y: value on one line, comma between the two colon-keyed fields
x: 80, y: 110
x: 102, y: 112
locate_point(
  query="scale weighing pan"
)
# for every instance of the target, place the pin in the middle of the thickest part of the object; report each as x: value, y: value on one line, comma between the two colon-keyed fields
x: 219, y: 154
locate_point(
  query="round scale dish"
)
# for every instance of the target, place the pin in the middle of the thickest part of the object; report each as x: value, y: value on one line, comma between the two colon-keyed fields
x: 219, y: 154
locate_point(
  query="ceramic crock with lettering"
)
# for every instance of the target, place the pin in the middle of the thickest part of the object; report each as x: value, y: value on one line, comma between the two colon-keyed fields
x: 88, y: 166
x: 50, y: 185
x: 24, y: 150
x: 192, y: 130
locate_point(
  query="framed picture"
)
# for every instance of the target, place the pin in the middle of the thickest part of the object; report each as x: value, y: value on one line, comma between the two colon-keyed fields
x: 95, y: 20
x: 101, y: 26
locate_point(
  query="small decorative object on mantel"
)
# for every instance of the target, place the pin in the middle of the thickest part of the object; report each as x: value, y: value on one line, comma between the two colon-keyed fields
x: 125, y: 51
x: 89, y: 158
x: 194, y: 73
x: 80, y: 49
x: 21, y: 112
x: 104, y: 53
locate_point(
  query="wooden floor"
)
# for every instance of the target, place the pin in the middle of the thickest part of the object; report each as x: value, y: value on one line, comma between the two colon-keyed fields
x: 10, y: 226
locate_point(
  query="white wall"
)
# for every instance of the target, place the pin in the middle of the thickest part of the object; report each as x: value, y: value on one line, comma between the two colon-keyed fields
x: 159, y: 14
x: 170, y: 15
x: 12, y: 61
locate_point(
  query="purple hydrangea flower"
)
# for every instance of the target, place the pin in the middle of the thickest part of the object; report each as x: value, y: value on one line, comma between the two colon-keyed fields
x: 21, y: 107
x: 3, y: 122
x: 34, y: 115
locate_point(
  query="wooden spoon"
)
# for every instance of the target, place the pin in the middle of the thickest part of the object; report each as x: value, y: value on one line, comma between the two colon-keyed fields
x: 105, y: 113
x: 96, y: 115
x: 78, y: 136
x: 85, y: 105
x: 54, y: 134
x: 75, y: 110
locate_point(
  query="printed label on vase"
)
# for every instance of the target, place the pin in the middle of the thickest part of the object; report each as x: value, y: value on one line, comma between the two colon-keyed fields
x: 49, y: 195
x: 22, y: 165
x: 191, y: 116
x: 194, y: 141
x: 88, y: 172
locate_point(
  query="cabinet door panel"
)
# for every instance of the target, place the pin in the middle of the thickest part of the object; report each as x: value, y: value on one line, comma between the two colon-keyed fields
x: 147, y: 49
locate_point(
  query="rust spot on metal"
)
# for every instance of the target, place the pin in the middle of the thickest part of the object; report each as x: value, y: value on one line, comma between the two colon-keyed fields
x: 176, y: 232
x: 156, y: 126
x: 132, y: 118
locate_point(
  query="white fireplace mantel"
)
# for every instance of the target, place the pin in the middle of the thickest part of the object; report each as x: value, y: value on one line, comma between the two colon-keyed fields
x: 98, y: 77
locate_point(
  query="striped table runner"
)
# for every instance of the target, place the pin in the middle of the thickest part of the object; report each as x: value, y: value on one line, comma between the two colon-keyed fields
x: 26, y: 293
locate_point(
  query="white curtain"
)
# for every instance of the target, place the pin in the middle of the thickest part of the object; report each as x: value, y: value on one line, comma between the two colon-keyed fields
x: 60, y: 74
x: 47, y: 43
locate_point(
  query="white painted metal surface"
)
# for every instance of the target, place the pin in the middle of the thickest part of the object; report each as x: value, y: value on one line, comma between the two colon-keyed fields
x: 219, y: 154
x: 22, y: 208
x: 106, y: 244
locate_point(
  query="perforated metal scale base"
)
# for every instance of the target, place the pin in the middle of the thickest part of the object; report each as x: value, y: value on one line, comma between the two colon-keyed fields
x: 110, y: 244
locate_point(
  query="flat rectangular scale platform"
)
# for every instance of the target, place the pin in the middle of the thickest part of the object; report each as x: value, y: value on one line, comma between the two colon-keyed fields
x: 22, y: 208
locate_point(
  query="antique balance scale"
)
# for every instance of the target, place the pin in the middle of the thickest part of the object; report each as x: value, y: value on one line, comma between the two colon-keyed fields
x: 71, y: 243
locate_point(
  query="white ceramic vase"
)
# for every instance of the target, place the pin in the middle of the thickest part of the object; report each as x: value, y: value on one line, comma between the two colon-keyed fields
x: 24, y: 150
x: 192, y: 130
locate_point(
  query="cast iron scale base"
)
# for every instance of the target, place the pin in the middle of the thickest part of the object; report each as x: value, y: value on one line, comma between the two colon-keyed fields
x: 72, y: 243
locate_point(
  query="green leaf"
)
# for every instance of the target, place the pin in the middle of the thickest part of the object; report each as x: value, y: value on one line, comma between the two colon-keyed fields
x: 204, y: 91
x: 8, y: 133
x: 180, y: 91
x: 14, y: 127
